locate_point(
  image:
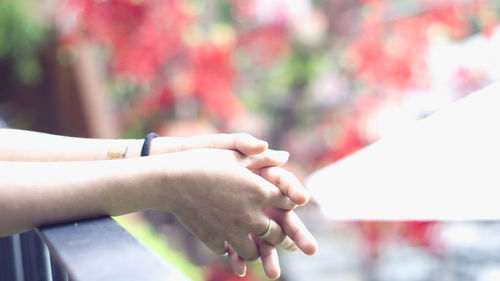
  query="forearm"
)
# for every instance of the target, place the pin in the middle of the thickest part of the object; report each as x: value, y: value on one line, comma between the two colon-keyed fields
x: 19, y: 145
x: 35, y: 193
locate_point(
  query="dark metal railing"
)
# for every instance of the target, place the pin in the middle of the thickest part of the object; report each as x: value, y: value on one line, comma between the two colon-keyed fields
x: 88, y: 250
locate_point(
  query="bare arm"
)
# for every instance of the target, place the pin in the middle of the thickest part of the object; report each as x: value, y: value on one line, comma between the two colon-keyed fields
x: 19, y: 145
x: 205, y: 188
x: 36, y: 188
x: 213, y: 192
x: 35, y: 193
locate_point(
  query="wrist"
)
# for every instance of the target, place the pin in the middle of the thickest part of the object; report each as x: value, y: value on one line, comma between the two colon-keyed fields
x: 162, y: 145
x: 165, y: 176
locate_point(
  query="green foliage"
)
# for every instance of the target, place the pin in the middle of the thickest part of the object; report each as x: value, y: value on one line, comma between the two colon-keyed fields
x: 274, y: 86
x: 144, y: 232
x: 21, y: 35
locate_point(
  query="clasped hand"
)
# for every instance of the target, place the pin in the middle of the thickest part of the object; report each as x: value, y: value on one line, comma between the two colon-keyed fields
x: 227, y: 199
x: 227, y: 189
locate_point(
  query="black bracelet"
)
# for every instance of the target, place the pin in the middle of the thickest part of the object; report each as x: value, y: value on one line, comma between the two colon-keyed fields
x: 147, y: 144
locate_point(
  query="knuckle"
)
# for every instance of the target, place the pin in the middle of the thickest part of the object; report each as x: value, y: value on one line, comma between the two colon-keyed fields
x: 279, y: 239
x: 288, y: 204
x: 267, y: 157
x: 282, y: 238
x: 281, y: 179
x: 245, y: 219
x: 285, y: 185
x: 260, y: 194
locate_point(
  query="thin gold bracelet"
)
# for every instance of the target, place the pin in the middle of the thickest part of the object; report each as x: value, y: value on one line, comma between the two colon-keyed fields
x: 117, y: 151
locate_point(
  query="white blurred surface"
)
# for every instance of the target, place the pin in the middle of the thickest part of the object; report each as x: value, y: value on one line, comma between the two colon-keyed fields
x: 445, y: 167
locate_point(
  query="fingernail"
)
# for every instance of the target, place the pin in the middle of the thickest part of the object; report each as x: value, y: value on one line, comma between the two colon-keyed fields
x: 279, y: 273
x: 282, y: 155
x: 314, y: 248
x: 243, y: 274
x: 257, y: 141
x: 307, y: 195
x: 259, y: 260
x: 262, y: 142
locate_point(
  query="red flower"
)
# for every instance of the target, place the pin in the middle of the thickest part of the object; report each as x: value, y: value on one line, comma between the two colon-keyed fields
x: 265, y: 44
x: 142, y: 36
x: 212, y: 74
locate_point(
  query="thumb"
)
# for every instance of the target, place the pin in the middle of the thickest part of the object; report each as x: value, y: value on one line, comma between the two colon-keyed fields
x: 248, y: 144
x: 268, y: 158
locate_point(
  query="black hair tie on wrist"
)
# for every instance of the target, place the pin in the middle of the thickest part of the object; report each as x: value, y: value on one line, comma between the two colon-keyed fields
x: 147, y: 144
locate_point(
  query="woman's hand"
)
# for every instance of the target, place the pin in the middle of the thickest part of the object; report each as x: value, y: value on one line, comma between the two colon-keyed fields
x: 20, y: 145
x: 293, y: 227
x: 219, y: 199
x: 227, y: 193
x: 241, y: 142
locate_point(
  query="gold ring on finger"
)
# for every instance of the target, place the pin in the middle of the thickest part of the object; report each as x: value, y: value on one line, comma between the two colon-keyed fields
x: 267, y: 232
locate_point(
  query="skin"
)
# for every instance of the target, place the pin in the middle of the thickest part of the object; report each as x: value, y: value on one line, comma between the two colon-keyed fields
x: 223, y: 194
x: 20, y: 145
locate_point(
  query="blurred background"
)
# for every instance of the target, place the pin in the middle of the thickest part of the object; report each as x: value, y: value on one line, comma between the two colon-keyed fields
x: 319, y: 78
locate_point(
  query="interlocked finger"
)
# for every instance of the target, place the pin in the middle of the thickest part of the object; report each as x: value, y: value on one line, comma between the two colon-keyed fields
x: 275, y: 236
x: 244, y: 245
x: 288, y: 245
x: 268, y: 158
x: 238, y: 265
x: 294, y: 228
x: 270, y: 260
x: 267, y: 232
x: 241, y: 142
x: 287, y: 183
